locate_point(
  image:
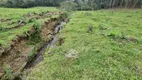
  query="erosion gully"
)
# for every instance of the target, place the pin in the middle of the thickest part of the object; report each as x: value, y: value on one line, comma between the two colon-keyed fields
x: 39, y: 57
x: 55, y: 25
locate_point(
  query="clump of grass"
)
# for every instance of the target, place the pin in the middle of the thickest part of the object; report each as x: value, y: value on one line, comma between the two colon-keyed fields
x: 88, y: 14
x: 112, y: 34
x: 36, y: 36
x: 31, y: 20
x: 117, y: 35
x: 103, y: 27
x: 61, y: 41
x: 8, y: 72
x: 95, y: 19
x: 129, y: 16
x: 32, y: 54
x: 122, y: 37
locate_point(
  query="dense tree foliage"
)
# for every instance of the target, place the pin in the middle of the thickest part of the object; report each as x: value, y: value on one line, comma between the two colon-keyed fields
x: 81, y: 4
x: 99, y: 4
x: 29, y: 3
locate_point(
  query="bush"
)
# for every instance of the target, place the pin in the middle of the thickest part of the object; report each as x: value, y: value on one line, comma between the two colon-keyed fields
x: 68, y: 6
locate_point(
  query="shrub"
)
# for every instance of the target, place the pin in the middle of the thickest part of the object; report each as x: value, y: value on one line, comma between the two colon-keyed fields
x: 36, y: 36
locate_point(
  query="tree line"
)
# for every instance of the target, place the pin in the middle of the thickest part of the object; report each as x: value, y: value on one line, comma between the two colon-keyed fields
x: 29, y: 3
x: 99, y: 4
x: 79, y: 4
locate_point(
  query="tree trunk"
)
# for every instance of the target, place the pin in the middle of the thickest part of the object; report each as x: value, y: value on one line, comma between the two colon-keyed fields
x: 121, y: 3
x: 114, y: 3
x: 110, y: 4
x: 126, y: 5
x: 135, y: 3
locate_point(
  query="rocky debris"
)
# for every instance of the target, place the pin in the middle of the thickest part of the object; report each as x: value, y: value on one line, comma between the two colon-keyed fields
x: 58, y: 28
x: 21, y: 22
x: 90, y: 28
x: 72, y: 54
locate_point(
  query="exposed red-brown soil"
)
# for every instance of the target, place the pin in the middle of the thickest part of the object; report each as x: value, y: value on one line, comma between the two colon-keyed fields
x: 16, y: 55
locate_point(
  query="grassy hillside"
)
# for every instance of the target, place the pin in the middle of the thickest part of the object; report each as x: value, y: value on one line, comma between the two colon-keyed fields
x: 113, y: 51
x: 23, y: 32
x: 11, y: 17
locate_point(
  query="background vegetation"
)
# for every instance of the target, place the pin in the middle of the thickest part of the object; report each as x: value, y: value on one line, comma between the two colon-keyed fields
x: 81, y: 4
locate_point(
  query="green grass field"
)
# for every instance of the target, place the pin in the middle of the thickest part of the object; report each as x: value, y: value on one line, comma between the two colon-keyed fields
x: 10, y: 16
x: 113, y: 51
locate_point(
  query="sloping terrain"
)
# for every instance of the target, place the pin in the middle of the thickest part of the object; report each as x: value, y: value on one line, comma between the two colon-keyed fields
x: 20, y: 42
x: 112, y: 51
x: 16, y: 21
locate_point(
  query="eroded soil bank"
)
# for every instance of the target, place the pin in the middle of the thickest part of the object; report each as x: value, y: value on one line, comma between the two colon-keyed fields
x: 50, y: 44
x: 20, y: 54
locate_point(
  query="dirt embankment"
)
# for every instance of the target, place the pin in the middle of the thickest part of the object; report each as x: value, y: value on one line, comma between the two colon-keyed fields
x: 30, y: 18
x: 14, y: 58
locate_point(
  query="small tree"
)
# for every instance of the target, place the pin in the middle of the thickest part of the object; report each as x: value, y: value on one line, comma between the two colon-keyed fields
x: 68, y: 6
